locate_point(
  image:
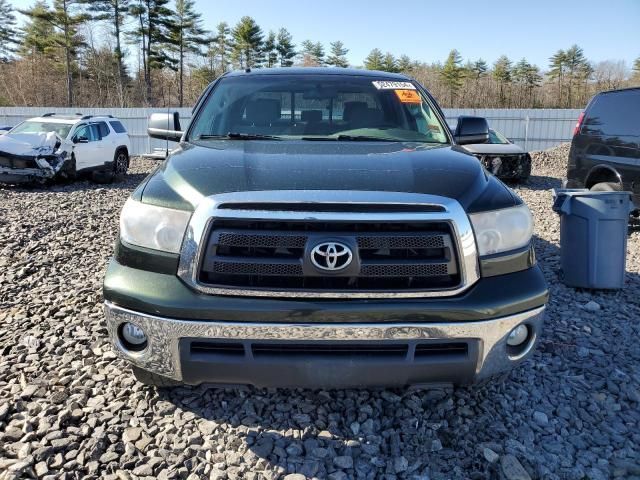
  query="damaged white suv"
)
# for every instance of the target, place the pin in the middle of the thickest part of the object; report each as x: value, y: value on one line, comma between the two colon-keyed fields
x: 62, y: 146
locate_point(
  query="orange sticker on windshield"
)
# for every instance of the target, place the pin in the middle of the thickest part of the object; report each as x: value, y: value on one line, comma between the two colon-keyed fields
x: 408, y: 96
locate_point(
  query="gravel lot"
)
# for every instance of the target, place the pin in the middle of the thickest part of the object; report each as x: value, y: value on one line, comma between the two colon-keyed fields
x: 69, y: 409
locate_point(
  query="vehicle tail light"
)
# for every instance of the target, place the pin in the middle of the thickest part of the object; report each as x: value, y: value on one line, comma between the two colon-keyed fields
x: 576, y: 129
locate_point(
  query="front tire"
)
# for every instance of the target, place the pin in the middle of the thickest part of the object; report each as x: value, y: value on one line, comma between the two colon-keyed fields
x: 606, y: 187
x: 525, y: 171
x: 69, y: 172
x: 153, y: 379
x: 120, y: 163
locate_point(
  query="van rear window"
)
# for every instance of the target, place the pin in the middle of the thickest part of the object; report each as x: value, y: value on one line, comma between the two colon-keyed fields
x: 117, y: 126
x: 614, y: 114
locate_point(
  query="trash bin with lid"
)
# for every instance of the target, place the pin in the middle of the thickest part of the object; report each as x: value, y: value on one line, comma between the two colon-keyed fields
x: 593, y: 236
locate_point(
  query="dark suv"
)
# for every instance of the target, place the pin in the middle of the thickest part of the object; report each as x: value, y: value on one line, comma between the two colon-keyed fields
x: 605, y: 152
x: 322, y: 228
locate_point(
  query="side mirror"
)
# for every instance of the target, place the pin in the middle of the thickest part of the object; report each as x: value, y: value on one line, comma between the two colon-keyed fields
x: 165, y: 126
x: 81, y: 140
x: 471, y: 130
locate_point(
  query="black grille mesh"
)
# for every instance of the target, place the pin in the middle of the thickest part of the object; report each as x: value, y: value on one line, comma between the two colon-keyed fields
x: 400, y: 270
x: 403, y: 241
x: 253, y: 268
x: 261, y: 240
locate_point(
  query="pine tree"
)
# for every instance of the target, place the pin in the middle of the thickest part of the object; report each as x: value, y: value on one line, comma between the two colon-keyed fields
x: 527, y: 76
x: 115, y: 12
x: 503, y: 75
x: 285, y: 47
x: 270, y: 49
x: 312, y: 54
x: 479, y: 68
x: 405, y: 64
x: 9, y: 34
x: 577, y: 69
x: 247, y: 43
x: 186, y: 35
x: 37, y: 34
x: 152, y: 32
x: 65, y: 18
x: 375, y: 60
x: 221, y: 48
x: 519, y: 71
x: 636, y: 71
x: 557, y: 69
x: 317, y: 52
x: 307, y: 53
x: 389, y: 63
x: 338, y: 57
x: 452, y: 74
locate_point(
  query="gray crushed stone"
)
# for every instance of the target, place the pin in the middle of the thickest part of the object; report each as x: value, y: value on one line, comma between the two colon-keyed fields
x: 70, y: 409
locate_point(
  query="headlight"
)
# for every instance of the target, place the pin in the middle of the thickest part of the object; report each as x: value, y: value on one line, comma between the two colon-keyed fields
x: 502, y: 230
x: 153, y: 227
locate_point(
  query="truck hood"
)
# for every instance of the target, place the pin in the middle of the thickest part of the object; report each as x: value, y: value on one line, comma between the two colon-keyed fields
x: 193, y: 172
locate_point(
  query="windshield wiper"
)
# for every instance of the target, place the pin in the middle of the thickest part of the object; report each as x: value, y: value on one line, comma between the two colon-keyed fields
x: 238, y: 136
x: 365, y: 138
x: 352, y: 138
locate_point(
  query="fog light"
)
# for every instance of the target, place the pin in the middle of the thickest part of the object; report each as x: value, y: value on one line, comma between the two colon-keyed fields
x: 518, y: 335
x: 133, y: 336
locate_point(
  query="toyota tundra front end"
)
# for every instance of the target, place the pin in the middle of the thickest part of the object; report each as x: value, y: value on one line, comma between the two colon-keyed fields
x: 321, y: 228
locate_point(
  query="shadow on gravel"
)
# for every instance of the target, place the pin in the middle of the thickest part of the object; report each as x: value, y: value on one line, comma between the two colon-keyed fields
x: 80, y: 185
x: 537, y: 182
x: 319, y: 432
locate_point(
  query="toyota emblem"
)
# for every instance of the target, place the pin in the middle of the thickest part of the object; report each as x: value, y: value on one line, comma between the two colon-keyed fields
x: 331, y: 256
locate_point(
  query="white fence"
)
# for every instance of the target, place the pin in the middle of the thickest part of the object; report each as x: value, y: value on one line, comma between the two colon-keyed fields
x: 534, y: 129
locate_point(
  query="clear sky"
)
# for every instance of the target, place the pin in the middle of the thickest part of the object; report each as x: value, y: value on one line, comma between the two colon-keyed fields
x: 426, y: 30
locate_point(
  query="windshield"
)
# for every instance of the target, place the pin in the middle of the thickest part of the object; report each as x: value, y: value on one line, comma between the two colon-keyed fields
x: 324, y: 107
x: 31, y: 126
x: 497, y: 137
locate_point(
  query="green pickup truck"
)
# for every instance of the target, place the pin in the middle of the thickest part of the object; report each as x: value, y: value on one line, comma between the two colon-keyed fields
x: 322, y: 228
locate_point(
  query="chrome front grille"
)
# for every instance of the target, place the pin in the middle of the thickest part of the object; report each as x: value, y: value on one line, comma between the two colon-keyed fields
x: 391, y: 256
x: 257, y: 244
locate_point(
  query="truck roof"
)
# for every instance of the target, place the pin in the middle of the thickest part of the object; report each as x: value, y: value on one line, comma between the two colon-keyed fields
x: 318, y: 71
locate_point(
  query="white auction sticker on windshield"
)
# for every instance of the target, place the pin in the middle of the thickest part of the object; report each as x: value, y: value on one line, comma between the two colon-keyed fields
x: 393, y: 85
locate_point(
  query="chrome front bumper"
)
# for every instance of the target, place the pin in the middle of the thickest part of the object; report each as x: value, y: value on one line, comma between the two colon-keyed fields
x: 162, y: 354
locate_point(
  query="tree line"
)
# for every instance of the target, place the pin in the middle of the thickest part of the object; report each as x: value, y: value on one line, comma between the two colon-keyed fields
x: 129, y: 53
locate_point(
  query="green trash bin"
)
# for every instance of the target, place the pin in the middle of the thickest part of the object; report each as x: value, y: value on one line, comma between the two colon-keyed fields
x: 593, y: 237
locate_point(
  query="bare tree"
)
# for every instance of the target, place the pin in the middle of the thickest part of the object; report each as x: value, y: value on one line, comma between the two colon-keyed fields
x: 610, y: 74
